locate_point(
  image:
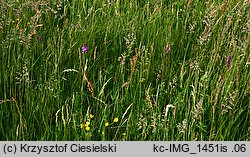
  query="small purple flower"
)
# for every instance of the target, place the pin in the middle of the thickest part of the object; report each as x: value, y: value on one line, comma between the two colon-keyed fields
x: 84, y: 48
x: 229, y: 59
x: 168, y: 49
x: 40, y: 38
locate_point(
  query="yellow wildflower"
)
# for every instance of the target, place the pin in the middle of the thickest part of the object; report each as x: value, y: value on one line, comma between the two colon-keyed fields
x: 87, y: 124
x: 107, y: 124
x: 91, y: 116
x: 116, y: 119
x: 81, y: 126
x: 87, y: 128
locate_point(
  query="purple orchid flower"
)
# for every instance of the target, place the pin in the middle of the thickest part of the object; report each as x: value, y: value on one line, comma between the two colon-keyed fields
x: 168, y: 49
x: 229, y: 59
x: 40, y: 38
x: 84, y: 48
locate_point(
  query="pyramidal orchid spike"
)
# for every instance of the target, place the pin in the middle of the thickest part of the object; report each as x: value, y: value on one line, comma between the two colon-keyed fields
x: 168, y: 49
x: 84, y: 48
x: 229, y: 59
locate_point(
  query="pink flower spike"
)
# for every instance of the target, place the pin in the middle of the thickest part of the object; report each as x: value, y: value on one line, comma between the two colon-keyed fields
x: 84, y: 48
x: 229, y: 59
x: 168, y: 49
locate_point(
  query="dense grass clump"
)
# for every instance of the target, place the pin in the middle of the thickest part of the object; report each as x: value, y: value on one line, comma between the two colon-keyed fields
x: 124, y: 70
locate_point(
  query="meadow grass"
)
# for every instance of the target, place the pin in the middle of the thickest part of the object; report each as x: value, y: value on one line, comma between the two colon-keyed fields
x: 154, y: 70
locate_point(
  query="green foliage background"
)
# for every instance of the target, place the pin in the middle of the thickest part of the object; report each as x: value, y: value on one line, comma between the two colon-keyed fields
x: 48, y: 88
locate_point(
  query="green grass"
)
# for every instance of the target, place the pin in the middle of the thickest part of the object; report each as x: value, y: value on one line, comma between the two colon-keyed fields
x: 48, y: 88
